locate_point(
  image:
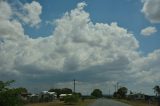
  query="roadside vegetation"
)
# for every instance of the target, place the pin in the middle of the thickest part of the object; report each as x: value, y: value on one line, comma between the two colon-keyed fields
x: 10, y: 96
x: 20, y: 97
x: 65, y: 97
x: 138, y: 99
x: 137, y: 102
x: 61, y: 103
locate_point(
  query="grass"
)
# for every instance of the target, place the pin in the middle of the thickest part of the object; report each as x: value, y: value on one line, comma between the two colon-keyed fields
x: 59, y: 103
x: 137, y: 102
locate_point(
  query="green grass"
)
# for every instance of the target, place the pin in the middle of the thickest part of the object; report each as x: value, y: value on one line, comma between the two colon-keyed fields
x: 137, y: 102
x: 59, y: 103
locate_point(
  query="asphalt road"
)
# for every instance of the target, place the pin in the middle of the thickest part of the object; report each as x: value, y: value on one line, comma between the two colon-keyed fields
x: 108, y: 102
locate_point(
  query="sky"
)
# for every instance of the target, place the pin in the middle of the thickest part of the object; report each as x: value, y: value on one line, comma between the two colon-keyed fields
x: 47, y: 43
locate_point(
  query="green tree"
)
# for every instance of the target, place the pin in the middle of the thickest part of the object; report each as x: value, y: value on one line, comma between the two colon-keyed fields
x: 157, y: 90
x: 97, y: 93
x: 122, y: 92
x: 78, y: 94
x: 21, y: 90
x: 115, y: 94
x: 66, y: 91
x: 9, y: 96
x: 4, y: 85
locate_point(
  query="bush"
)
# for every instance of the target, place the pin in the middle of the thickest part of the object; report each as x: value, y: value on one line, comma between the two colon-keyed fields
x: 10, y: 98
x: 71, y: 99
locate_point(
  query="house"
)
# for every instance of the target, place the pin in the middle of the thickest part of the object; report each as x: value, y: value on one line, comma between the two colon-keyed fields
x: 62, y: 96
x: 53, y: 95
x: 33, y: 98
x: 137, y: 96
x: 24, y: 96
x: 46, y: 96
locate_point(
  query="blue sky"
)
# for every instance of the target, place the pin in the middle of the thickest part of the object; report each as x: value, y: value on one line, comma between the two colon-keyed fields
x: 47, y: 43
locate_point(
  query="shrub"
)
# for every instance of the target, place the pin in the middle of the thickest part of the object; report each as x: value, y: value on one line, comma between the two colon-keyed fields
x: 71, y: 99
x: 10, y: 98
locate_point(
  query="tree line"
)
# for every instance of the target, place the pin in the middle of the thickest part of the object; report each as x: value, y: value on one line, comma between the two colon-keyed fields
x: 11, y: 96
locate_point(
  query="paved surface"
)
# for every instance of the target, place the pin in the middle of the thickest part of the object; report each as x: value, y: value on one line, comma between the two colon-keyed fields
x: 108, y: 102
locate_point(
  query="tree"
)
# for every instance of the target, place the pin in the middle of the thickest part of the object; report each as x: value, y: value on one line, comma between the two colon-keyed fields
x: 9, y: 96
x: 78, y: 94
x: 115, y: 94
x: 4, y: 85
x: 131, y: 93
x: 66, y: 91
x: 121, y: 93
x: 97, y: 93
x: 157, y: 90
x: 21, y: 90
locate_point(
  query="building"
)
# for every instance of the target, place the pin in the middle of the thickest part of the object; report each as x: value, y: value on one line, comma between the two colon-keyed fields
x: 137, y: 96
x: 46, y: 96
x: 62, y: 96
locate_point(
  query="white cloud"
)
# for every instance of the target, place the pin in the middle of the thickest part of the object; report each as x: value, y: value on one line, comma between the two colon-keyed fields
x: 31, y: 13
x: 148, y: 31
x: 5, y: 10
x: 10, y: 29
x: 147, y: 68
x: 81, y: 5
x: 151, y: 9
x: 92, y: 53
x: 76, y: 45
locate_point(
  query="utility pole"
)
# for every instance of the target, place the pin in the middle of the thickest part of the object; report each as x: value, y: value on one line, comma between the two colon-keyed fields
x: 109, y: 91
x: 115, y: 88
x: 74, y: 82
x: 117, y: 85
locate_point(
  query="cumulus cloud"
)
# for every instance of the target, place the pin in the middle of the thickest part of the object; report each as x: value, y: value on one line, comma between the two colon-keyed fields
x: 10, y: 29
x: 30, y: 13
x: 5, y: 10
x: 148, y: 68
x: 78, y: 48
x: 148, y: 31
x: 151, y: 9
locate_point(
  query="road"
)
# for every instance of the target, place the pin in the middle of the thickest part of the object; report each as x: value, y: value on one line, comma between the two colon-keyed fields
x: 108, y: 102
